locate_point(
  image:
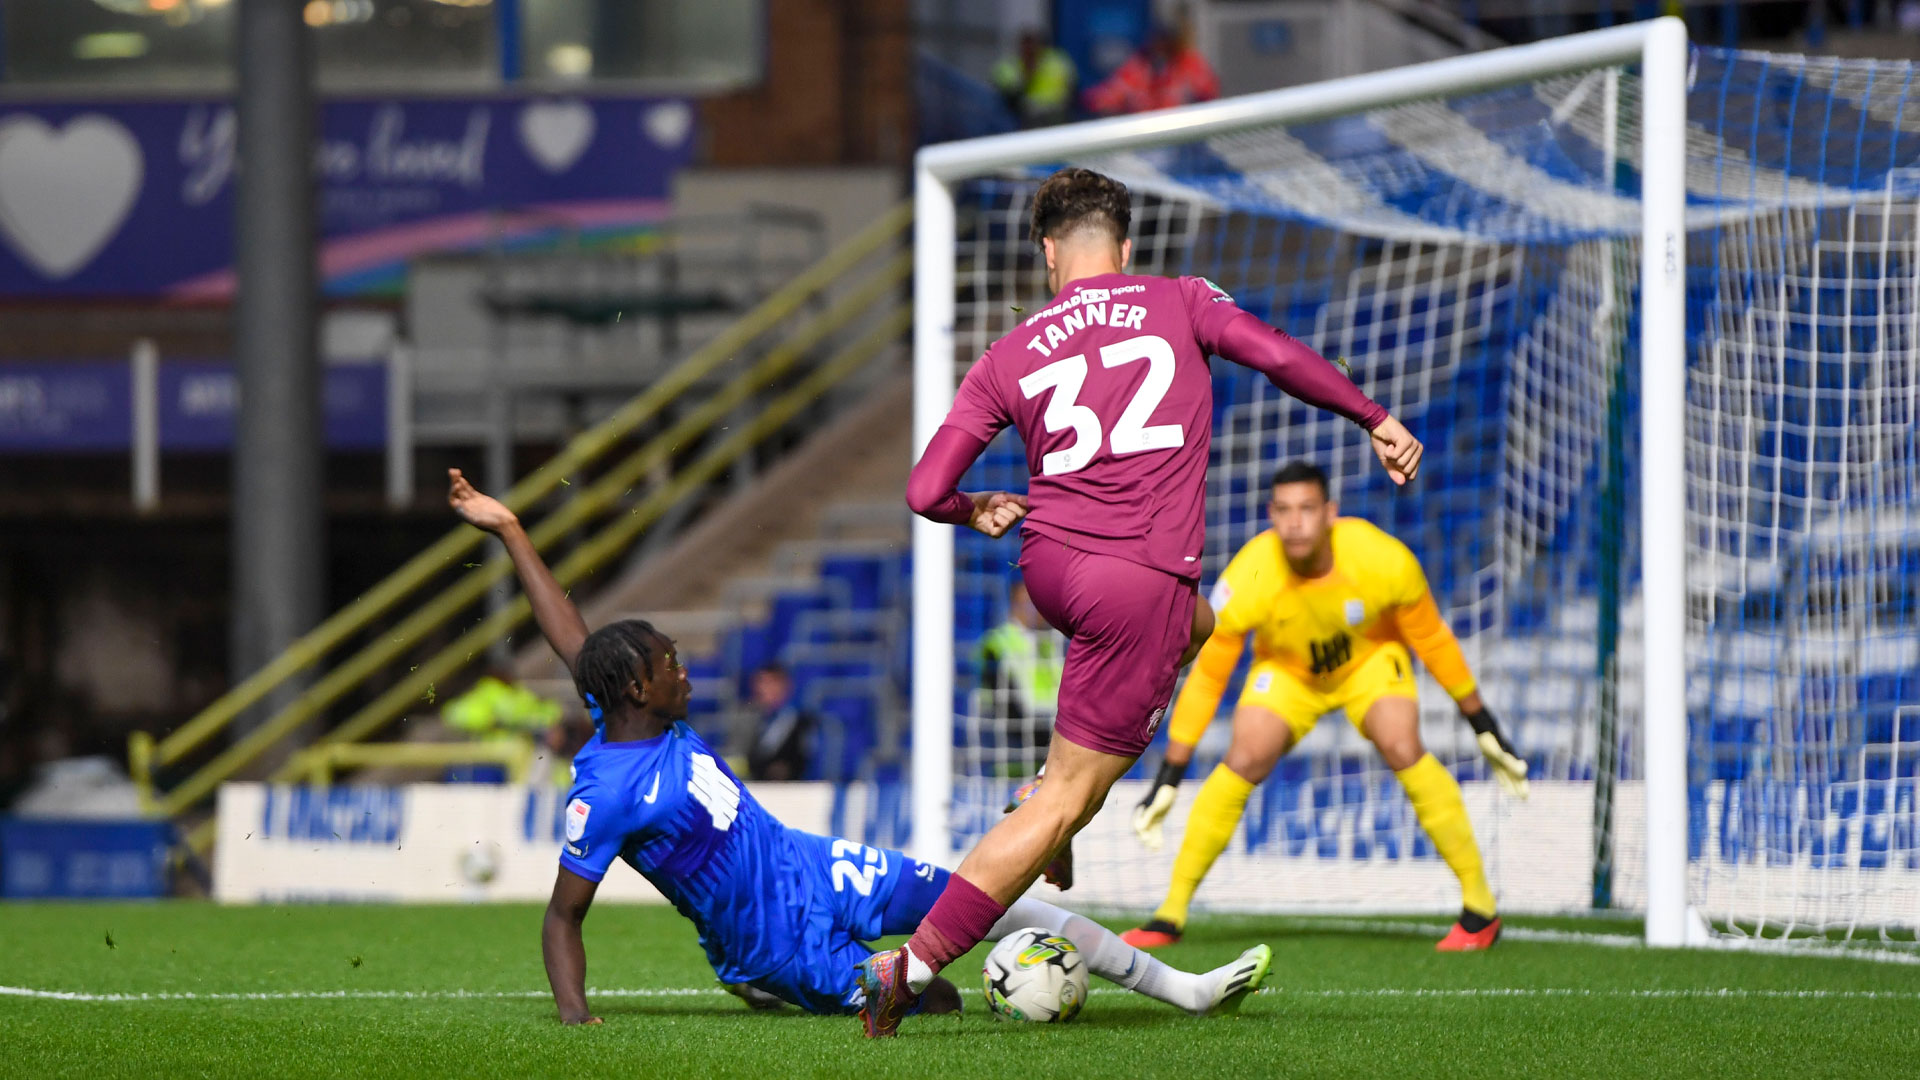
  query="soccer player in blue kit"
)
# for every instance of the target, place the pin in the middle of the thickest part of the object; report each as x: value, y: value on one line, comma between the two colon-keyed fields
x: 779, y: 910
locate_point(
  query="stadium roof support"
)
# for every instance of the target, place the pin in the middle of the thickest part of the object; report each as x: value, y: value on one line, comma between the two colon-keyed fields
x: 278, y: 520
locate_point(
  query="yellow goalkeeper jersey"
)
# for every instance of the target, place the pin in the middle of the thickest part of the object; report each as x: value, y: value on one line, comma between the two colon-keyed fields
x: 1319, y: 629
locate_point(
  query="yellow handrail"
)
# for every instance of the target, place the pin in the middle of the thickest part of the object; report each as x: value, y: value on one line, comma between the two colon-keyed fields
x: 594, y: 498
x: 582, y: 450
x: 609, y: 543
x: 318, y: 763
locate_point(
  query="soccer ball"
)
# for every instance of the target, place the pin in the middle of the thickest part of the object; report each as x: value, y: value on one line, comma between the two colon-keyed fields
x: 1035, y: 975
x: 479, y: 863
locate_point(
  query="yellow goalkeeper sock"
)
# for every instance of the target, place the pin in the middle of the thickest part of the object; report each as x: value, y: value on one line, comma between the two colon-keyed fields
x: 1216, y: 813
x: 1437, y: 803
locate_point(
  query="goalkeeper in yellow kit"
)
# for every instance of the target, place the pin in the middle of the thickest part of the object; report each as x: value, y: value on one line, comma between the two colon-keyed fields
x: 1333, y: 604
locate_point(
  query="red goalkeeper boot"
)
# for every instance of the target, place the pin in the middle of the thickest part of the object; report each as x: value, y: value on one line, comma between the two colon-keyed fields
x: 1462, y: 939
x: 1157, y: 934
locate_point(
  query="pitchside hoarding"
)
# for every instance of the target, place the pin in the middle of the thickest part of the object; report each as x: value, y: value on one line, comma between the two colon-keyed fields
x: 451, y: 843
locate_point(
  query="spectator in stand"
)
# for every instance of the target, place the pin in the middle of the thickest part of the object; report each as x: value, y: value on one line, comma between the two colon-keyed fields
x: 1168, y: 71
x: 499, y: 707
x: 1037, y: 83
x: 1021, y: 661
x: 783, y: 744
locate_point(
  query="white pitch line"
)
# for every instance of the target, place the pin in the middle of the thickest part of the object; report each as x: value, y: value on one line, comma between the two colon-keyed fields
x: 1701, y: 993
x: 1588, y: 992
x: 1796, y: 947
x: 343, y: 995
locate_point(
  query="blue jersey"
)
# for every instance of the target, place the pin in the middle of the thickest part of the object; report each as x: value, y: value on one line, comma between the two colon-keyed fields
x: 673, y: 810
x: 777, y: 907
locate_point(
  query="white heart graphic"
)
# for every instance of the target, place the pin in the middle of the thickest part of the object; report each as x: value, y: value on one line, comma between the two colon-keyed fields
x: 63, y: 194
x: 667, y: 125
x: 556, y: 133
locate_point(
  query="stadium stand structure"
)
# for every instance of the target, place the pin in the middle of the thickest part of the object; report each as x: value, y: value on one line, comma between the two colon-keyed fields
x: 806, y: 568
x: 819, y: 344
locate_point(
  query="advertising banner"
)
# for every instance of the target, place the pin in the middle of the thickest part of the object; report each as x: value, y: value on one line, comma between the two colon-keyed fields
x: 136, y: 198
x: 87, y: 406
x: 429, y: 843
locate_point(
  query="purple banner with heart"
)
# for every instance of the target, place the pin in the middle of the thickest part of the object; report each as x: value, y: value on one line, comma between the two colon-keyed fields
x: 136, y: 199
x: 87, y: 406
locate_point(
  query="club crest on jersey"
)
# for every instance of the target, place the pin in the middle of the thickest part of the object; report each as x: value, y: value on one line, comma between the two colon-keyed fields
x: 1356, y: 611
x: 1153, y: 722
x: 577, y: 812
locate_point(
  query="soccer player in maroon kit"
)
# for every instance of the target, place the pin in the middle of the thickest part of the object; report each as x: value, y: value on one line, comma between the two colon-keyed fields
x: 1109, y: 386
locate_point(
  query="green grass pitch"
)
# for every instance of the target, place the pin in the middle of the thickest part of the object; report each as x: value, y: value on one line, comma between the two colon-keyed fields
x: 459, y: 991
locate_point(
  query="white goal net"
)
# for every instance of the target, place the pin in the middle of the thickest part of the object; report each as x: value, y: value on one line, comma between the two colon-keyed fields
x: 1475, y: 258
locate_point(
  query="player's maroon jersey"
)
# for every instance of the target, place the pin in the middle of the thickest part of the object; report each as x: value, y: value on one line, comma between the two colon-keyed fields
x: 1110, y: 388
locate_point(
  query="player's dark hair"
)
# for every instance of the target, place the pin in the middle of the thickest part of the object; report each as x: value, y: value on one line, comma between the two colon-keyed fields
x: 1075, y: 199
x: 615, y: 655
x: 1302, y: 472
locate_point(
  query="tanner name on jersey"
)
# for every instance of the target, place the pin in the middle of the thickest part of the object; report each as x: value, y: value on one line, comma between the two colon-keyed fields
x: 1088, y: 307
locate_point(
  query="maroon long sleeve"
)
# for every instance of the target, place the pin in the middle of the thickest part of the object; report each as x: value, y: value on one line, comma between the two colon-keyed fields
x: 1295, y: 368
x: 933, y: 488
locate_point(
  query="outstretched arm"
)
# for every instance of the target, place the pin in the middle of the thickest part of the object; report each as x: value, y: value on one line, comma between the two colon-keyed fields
x: 1427, y: 633
x: 1226, y: 330
x: 564, y: 950
x: 1294, y: 367
x: 559, y: 620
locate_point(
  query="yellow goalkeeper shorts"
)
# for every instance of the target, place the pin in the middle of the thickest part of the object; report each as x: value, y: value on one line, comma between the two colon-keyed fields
x: 1387, y: 673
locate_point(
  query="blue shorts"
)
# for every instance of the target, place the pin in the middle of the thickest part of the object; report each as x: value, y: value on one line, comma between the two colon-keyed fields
x: 859, y: 893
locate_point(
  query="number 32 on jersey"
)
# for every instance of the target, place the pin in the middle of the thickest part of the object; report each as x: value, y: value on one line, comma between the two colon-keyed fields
x: 1131, y: 433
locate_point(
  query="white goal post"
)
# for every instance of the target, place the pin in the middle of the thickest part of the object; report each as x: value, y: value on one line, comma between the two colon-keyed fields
x: 969, y: 203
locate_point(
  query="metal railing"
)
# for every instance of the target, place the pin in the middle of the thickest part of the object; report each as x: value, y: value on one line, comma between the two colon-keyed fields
x: 877, y: 299
x: 317, y: 764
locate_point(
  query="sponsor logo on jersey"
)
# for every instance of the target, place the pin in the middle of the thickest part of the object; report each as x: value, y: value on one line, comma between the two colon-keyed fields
x: 1331, y: 654
x: 1084, y: 296
x: 714, y: 790
x: 577, y: 812
x: 1263, y: 682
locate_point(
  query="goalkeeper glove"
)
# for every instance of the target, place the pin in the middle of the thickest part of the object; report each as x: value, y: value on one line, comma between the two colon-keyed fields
x: 1149, y: 816
x: 1507, y: 764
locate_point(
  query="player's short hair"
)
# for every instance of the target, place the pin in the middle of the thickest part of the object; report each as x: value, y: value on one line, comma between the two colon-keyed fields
x: 615, y: 655
x: 1075, y: 199
x: 1302, y: 472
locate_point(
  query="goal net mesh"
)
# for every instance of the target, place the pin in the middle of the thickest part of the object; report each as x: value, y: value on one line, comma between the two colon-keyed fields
x: 1474, y: 261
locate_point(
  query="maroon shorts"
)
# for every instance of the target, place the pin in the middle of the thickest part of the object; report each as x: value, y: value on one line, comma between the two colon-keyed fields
x: 1127, y: 625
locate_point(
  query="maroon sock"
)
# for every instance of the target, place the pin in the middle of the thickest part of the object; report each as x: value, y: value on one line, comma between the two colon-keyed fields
x: 960, y: 919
